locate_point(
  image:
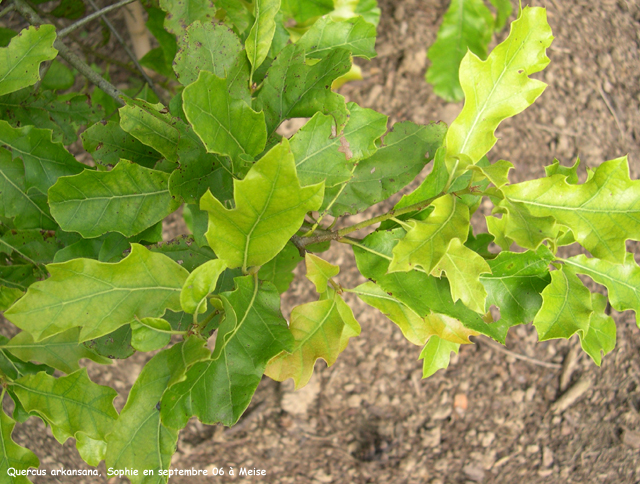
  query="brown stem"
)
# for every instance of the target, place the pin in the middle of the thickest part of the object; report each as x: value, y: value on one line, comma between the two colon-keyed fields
x: 33, y: 18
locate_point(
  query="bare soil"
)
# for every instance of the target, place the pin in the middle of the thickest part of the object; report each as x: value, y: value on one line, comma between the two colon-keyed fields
x: 490, y: 417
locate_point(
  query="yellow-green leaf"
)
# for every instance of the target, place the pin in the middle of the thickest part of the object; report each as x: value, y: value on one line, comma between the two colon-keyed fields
x: 270, y: 208
x: 200, y: 283
x: 319, y: 271
x: 99, y: 297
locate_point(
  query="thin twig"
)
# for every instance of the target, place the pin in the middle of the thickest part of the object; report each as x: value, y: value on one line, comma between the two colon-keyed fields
x: 518, y: 356
x: 551, y: 130
x: 7, y: 10
x: 33, y: 18
x: 128, y: 51
x: 611, y: 110
x: 89, y: 18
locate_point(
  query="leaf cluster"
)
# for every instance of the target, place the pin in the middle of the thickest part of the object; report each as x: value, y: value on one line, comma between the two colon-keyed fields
x: 85, y: 273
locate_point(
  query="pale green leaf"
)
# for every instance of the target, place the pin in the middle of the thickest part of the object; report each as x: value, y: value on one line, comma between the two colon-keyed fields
x: 44, y: 160
x: 354, y: 34
x: 406, y: 149
x: 226, y: 125
x: 412, y: 325
x: 139, y: 440
x: 437, y: 355
x: 566, y: 307
x: 150, y: 334
x: 20, y: 60
x: 571, y: 172
x: 602, y: 213
x: 422, y: 293
x: 128, y: 200
x: 206, y: 47
x: 252, y: 333
x: 69, y: 404
x: 115, y: 345
x: 515, y: 283
x: 319, y: 271
x: 200, y: 283
x: 294, y: 89
x: 499, y: 87
x: 303, y: 10
x: 99, y: 297
x: 152, y: 125
x: 182, y: 13
x: 30, y: 211
x: 467, y: 26
x: 463, y: 268
x: 320, y: 154
x: 270, y: 208
x: 519, y: 225
x: 13, y: 455
x: 320, y: 331
x: 8, y: 296
x: 61, y: 351
x: 601, y: 337
x: 91, y: 450
x: 108, y: 143
x: 497, y: 173
x: 621, y: 280
x: 279, y: 270
x: 261, y: 34
x: 427, y: 241
x: 503, y: 12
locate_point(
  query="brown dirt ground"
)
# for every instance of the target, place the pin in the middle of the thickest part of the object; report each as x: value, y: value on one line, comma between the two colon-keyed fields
x: 488, y: 418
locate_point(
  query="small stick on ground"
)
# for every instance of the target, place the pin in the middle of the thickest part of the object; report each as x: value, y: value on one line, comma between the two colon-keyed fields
x: 606, y: 100
x: 572, y: 395
x: 518, y: 356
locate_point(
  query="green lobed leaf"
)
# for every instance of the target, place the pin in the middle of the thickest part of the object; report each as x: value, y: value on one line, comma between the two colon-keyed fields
x: 571, y: 172
x: 99, y: 297
x: 152, y: 125
x: 411, y: 324
x: 127, y: 200
x: 252, y: 333
x: 61, y: 351
x: 621, y: 280
x: 426, y: 241
x: 466, y: 26
x: 8, y: 296
x: 279, y: 270
x: 515, y: 283
x: 321, y: 329
x: 108, y: 143
x: 91, y: 450
x: 44, y: 160
x: 294, y: 89
x: 407, y: 148
x: 139, y: 440
x: 303, y: 10
x: 20, y: 60
x: 27, y: 209
x: 69, y: 404
x: 206, y: 47
x: 238, y: 15
x: 12, y: 367
x: 499, y: 87
x: 326, y: 34
x: 13, y: 455
x: 182, y: 13
x: 36, y: 246
x: 270, y: 208
x: 463, y: 268
x: 184, y: 251
x: 436, y: 355
x: 602, y: 213
x: 566, y: 307
x: 422, y: 293
x: 200, y: 283
x: 62, y: 114
x: 226, y: 125
x: 150, y: 334
x: 601, y: 337
x: 319, y: 271
x: 115, y: 345
x: 258, y: 43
